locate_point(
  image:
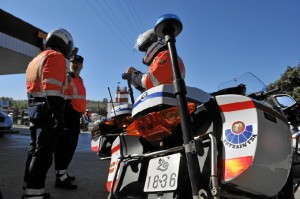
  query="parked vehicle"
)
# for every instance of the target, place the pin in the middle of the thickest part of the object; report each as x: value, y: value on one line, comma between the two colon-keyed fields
x: 5, y: 122
x: 105, y: 131
x: 182, y: 142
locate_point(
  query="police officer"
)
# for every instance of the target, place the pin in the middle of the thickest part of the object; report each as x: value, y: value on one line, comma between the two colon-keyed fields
x: 75, y: 107
x: 157, y: 58
x: 45, y: 81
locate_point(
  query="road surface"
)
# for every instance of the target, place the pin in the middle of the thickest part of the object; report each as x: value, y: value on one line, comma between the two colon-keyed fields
x: 90, y: 172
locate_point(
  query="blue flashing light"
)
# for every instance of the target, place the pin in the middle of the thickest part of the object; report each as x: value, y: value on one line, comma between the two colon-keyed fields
x: 167, y: 16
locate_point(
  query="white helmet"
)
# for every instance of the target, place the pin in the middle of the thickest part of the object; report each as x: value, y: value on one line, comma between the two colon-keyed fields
x: 150, y: 43
x: 62, y: 40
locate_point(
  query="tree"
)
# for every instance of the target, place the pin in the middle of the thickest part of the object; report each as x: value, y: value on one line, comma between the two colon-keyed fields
x: 289, y: 82
x: 21, y: 104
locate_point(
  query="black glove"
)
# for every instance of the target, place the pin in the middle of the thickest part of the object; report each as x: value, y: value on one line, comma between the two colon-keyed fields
x: 56, y: 105
x: 68, y: 106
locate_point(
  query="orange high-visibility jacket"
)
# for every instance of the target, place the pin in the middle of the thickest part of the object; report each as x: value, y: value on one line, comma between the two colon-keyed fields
x: 160, y: 71
x: 77, y: 94
x: 46, y: 75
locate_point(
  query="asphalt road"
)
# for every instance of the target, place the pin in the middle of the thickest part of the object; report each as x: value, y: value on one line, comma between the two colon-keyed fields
x: 90, y: 172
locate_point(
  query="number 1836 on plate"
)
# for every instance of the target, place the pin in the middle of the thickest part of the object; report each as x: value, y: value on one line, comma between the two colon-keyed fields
x: 162, y: 174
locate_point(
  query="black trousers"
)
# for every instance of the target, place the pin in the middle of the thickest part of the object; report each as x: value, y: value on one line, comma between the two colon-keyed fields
x: 39, y: 157
x: 32, y: 147
x: 67, y: 141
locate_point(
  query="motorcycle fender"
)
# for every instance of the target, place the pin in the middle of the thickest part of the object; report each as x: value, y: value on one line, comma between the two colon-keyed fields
x: 95, y: 144
x: 112, y: 173
x: 95, y: 133
x: 124, y: 172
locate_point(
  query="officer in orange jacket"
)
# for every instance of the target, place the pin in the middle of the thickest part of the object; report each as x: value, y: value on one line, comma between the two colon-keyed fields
x: 46, y: 82
x: 157, y: 58
x: 75, y: 107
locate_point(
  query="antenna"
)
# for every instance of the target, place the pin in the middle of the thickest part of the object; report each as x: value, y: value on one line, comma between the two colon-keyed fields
x: 112, y: 103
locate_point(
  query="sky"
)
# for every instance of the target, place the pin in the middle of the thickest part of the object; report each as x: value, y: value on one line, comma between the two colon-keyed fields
x: 220, y: 40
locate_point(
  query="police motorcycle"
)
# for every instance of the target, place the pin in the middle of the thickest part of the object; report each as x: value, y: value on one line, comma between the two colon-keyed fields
x: 104, y: 133
x: 183, y: 142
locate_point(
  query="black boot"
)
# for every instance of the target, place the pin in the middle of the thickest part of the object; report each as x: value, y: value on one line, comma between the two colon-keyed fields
x: 65, y: 184
x: 71, y: 178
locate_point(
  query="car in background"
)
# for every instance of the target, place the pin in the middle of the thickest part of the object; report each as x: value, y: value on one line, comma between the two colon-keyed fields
x: 6, y: 122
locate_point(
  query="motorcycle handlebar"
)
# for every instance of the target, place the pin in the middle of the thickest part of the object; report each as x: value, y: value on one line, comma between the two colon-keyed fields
x: 262, y: 95
x: 272, y: 91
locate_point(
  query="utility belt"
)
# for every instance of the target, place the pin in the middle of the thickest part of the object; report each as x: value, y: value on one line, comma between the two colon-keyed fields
x: 35, y: 101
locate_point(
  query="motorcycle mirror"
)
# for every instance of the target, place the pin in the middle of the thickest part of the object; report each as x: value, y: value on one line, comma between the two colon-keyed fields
x: 168, y: 24
x: 284, y: 101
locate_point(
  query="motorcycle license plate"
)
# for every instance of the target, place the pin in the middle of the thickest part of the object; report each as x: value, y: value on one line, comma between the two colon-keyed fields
x: 162, y: 174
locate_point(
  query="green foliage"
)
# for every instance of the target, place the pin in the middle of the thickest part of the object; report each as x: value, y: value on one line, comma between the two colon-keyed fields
x: 97, y: 107
x: 93, y: 106
x: 21, y: 104
x: 289, y: 82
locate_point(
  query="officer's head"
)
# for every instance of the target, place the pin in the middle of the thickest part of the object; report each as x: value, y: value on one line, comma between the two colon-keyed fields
x: 62, y: 40
x: 151, y: 44
x: 76, y: 64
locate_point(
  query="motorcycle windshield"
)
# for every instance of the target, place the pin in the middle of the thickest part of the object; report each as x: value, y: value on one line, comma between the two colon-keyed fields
x: 253, y: 83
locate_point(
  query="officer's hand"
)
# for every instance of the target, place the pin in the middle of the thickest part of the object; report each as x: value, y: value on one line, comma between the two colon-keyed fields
x: 58, y: 122
x: 130, y: 70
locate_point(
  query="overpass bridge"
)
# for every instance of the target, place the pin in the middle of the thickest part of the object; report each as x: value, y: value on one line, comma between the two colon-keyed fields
x: 19, y: 43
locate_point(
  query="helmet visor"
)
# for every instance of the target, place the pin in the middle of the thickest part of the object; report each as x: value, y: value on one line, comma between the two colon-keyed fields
x: 145, y: 40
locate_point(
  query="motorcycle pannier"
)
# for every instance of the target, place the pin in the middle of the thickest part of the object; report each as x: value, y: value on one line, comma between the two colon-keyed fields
x: 257, y: 153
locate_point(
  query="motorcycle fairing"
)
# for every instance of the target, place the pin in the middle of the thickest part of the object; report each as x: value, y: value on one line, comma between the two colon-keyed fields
x: 256, y: 140
x: 121, y: 109
x: 163, y: 95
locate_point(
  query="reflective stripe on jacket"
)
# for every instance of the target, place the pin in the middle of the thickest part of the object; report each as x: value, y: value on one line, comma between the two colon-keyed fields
x: 46, y: 75
x: 160, y: 71
x: 76, y: 92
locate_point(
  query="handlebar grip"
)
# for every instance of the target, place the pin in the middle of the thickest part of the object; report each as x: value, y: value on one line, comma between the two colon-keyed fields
x: 124, y: 76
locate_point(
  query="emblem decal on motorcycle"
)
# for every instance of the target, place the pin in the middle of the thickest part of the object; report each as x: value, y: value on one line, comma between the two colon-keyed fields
x: 239, y: 135
x: 163, y: 165
x: 144, y: 96
x: 238, y: 127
